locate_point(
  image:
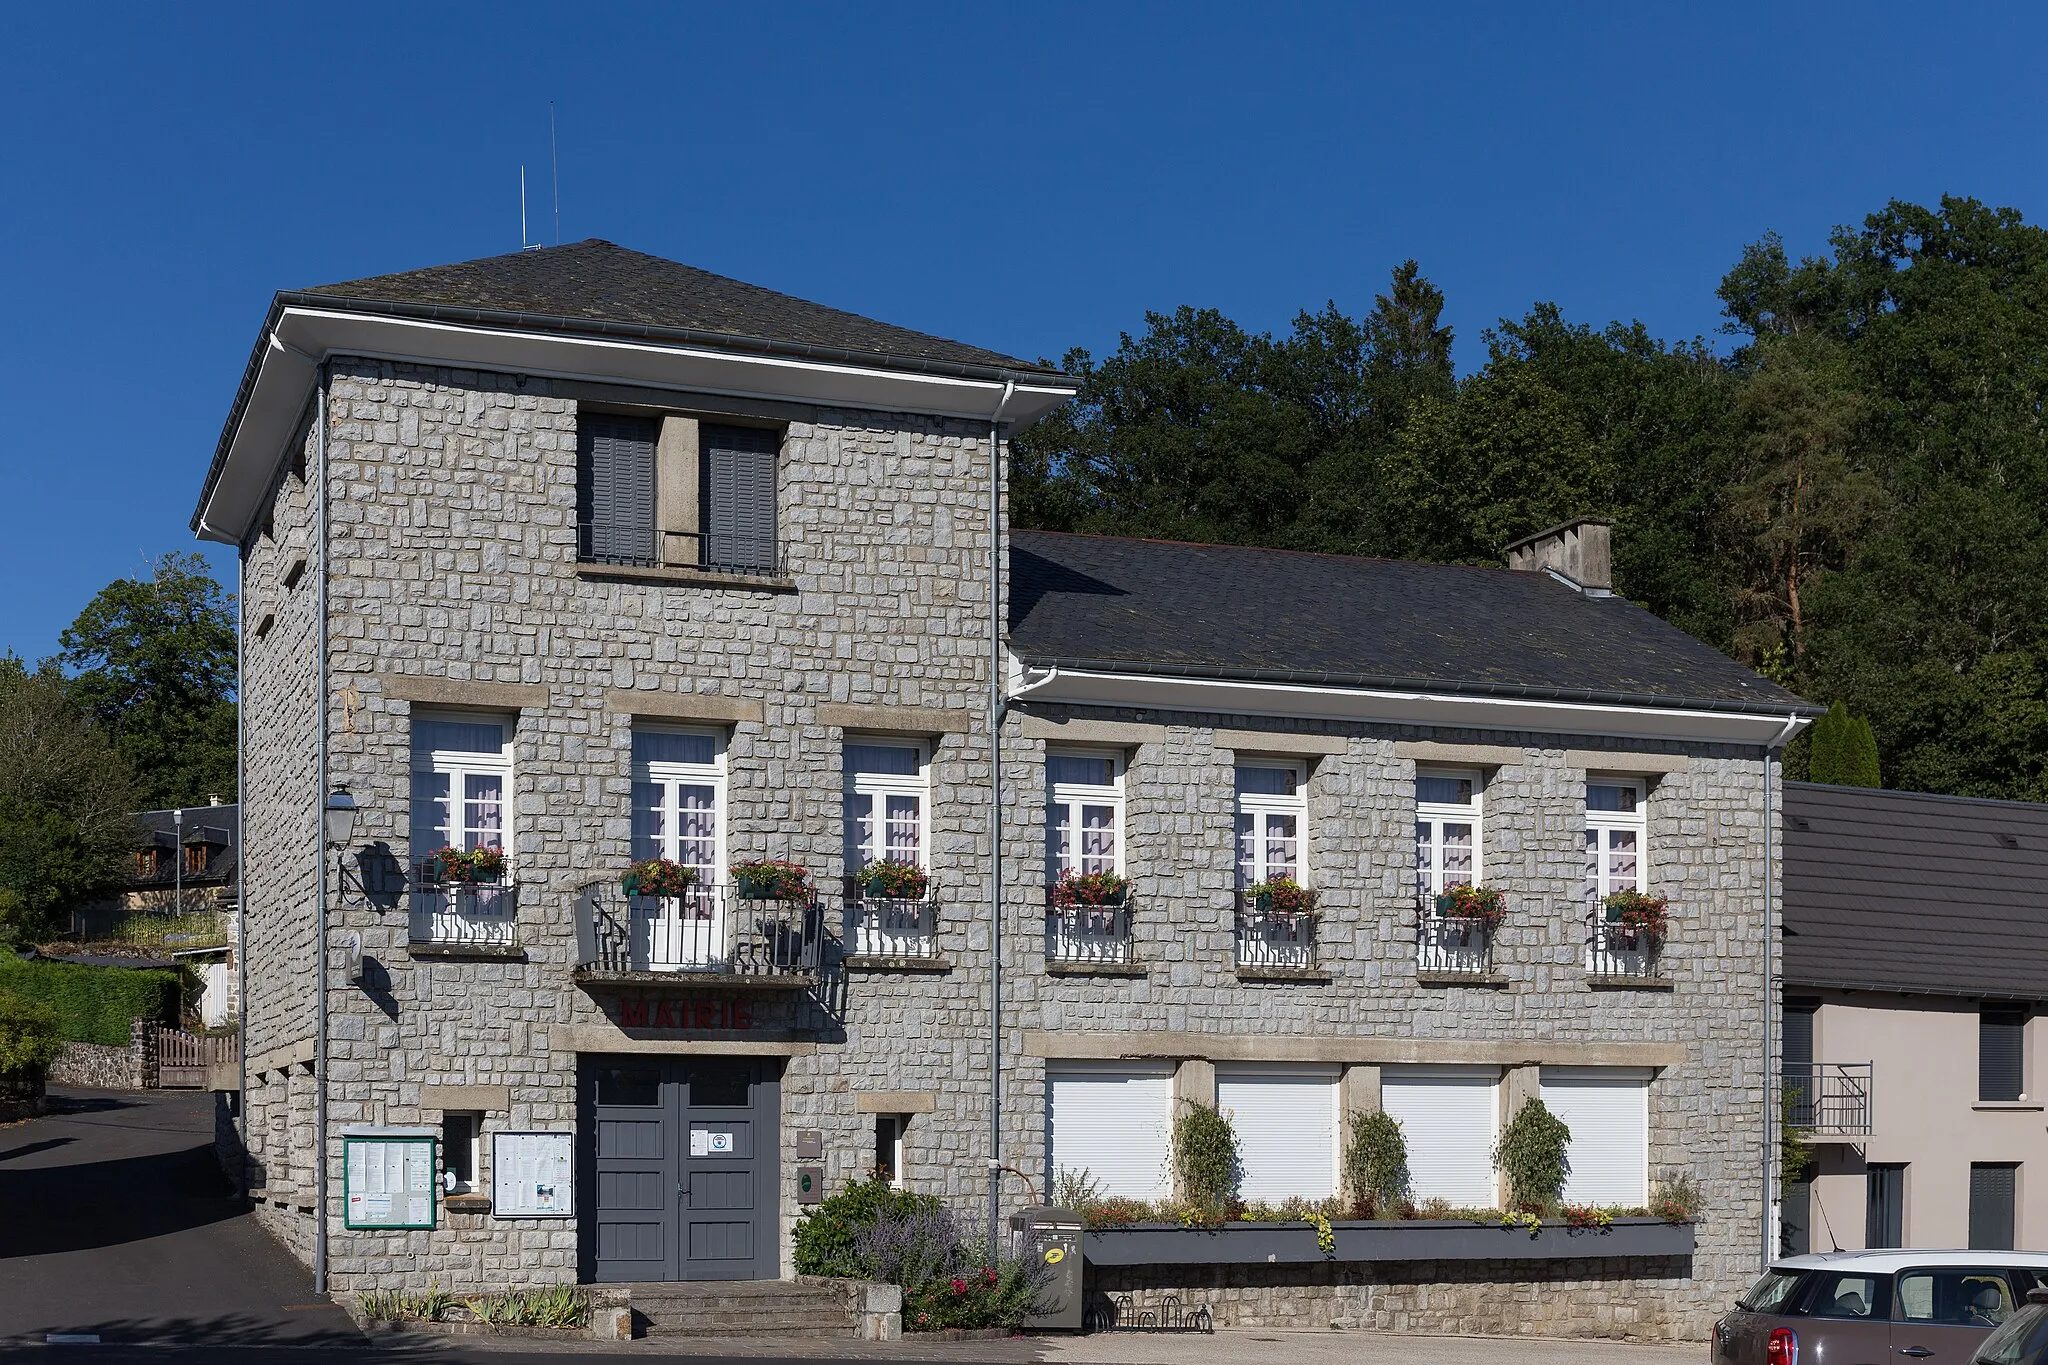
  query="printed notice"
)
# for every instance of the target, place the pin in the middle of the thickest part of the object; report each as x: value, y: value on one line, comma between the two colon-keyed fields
x: 533, y: 1175
x: 388, y: 1181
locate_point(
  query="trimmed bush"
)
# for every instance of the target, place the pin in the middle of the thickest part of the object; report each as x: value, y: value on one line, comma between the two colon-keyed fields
x: 1376, y: 1161
x: 94, y: 1004
x: 1531, y: 1154
x: 29, y: 1043
x: 1205, y: 1160
x: 828, y: 1237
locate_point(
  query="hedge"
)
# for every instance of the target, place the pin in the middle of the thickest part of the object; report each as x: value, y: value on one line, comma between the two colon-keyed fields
x: 94, y: 1004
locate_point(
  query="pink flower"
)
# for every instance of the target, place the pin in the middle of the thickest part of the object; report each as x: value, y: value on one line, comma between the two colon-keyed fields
x: 959, y: 1286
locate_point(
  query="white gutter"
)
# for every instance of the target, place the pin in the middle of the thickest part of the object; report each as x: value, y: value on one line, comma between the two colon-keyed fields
x: 303, y: 338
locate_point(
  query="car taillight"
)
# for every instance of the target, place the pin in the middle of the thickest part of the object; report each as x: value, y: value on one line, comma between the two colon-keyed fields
x: 1783, y: 1348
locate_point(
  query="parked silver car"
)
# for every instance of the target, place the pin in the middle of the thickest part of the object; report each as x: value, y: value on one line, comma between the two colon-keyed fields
x: 1877, y: 1308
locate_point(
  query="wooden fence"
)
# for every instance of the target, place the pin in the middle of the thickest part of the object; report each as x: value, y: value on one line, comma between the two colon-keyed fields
x: 183, y: 1059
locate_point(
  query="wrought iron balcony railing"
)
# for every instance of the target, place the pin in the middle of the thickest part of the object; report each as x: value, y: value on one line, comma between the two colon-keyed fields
x: 1088, y: 933
x: 456, y: 914
x: 1830, y: 1099
x: 1615, y: 952
x: 708, y: 929
x: 644, y: 545
x: 1451, y: 945
x: 878, y: 926
x: 1275, y: 938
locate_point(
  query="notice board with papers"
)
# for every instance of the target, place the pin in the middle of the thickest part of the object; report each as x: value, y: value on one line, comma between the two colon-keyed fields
x: 533, y: 1175
x: 388, y: 1179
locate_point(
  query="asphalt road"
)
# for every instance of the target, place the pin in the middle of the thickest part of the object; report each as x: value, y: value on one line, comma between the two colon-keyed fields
x: 116, y: 1224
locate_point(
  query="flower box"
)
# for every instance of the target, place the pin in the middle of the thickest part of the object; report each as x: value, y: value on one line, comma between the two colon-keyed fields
x: 890, y: 880
x: 469, y: 867
x: 1464, y: 901
x: 771, y: 879
x: 1073, y: 891
x: 1281, y: 895
x: 1378, y: 1240
x: 658, y: 877
x: 1637, y: 913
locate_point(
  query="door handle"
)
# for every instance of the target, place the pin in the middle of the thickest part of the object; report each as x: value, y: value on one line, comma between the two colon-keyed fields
x: 1915, y: 1351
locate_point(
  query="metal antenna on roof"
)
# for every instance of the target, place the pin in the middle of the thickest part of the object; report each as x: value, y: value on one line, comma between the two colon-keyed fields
x: 522, y: 208
x: 555, y: 163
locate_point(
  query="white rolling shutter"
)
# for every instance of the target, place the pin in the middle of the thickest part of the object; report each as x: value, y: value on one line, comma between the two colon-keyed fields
x: 1286, y: 1122
x: 1449, y: 1116
x: 1113, y: 1120
x: 1608, y: 1111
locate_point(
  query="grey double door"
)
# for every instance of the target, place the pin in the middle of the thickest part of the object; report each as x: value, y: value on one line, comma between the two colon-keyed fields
x: 680, y: 1162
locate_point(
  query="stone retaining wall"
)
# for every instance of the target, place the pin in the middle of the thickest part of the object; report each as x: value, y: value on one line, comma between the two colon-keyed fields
x: 98, y: 1067
x: 1631, y: 1298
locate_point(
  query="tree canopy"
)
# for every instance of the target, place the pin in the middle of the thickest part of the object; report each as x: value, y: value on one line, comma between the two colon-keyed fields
x: 153, y: 662
x: 1851, y: 500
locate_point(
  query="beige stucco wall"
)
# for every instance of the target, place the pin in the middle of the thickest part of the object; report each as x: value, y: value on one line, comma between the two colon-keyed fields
x: 1925, y: 1113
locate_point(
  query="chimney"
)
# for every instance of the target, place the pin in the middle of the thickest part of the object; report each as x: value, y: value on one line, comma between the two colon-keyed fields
x: 1578, y: 551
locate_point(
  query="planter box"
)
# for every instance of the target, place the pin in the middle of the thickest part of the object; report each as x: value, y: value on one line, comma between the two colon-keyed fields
x: 1416, y: 1240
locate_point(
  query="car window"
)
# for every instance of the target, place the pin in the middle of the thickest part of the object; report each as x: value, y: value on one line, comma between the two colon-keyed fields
x: 1769, y: 1293
x: 1849, y: 1294
x: 1955, y: 1298
x: 2019, y: 1342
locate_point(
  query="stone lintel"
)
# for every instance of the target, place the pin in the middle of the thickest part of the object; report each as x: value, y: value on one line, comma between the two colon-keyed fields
x: 1630, y: 764
x: 896, y: 1102
x: 702, y: 706
x: 1122, y: 733
x: 1283, y: 742
x: 703, y: 578
x: 612, y: 1038
x: 1470, y: 755
x: 489, y: 1099
x: 895, y: 720
x: 1219, y: 1047
x: 503, y: 696
x: 279, y: 1058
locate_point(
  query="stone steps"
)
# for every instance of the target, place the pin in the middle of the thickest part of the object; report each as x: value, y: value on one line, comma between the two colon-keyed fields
x: 744, y: 1308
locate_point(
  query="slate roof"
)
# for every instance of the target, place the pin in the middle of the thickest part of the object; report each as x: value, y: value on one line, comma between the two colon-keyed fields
x: 1149, y: 606
x: 599, y: 286
x: 1904, y: 891
x: 219, y: 828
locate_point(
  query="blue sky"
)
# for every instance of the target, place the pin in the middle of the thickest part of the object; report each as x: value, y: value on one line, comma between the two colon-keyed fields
x: 1029, y: 177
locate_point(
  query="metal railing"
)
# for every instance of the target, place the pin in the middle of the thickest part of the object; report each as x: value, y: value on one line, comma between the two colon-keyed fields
x: 451, y: 914
x: 878, y: 926
x: 643, y: 545
x: 1830, y: 1099
x: 1275, y: 938
x: 1615, y: 952
x: 1088, y: 933
x: 710, y: 929
x: 1452, y: 945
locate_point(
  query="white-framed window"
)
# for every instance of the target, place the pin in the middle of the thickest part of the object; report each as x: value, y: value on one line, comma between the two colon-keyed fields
x: 461, y: 1151
x: 888, y: 793
x: 679, y: 798
x: 1084, y: 813
x: 1616, y: 836
x: 1272, y: 812
x: 1449, y: 832
x: 461, y: 782
x: 889, y: 1131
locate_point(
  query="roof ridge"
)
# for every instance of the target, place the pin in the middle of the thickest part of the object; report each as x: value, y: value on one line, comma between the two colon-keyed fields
x: 1271, y: 550
x: 1928, y: 796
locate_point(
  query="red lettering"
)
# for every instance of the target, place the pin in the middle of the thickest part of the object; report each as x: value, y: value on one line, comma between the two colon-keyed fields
x: 665, y: 1016
x: 742, y: 1014
x: 633, y: 1014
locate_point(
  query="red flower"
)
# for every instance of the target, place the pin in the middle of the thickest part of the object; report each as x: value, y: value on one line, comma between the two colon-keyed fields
x: 959, y: 1286
x: 988, y: 1277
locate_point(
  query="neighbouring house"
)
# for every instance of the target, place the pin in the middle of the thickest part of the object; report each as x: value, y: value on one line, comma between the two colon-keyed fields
x: 1916, y: 975
x: 563, y: 561
x: 187, y: 864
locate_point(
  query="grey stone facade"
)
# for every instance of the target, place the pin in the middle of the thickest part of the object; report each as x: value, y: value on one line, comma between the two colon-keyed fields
x: 453, y: 575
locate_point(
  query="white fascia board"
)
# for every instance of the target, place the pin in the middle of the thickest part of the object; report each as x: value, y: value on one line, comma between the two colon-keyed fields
x: 305, y: 337
x: 1443, y: 709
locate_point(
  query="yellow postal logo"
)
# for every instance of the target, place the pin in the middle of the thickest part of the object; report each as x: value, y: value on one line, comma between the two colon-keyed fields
x: 1054, y: 1255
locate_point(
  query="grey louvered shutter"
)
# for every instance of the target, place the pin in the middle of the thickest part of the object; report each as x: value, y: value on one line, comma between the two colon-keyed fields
x: 1798, y: 1063
x: 739, y: 498
x: 1884, y: 1207
x: 615, y: 489
x: 1991, y: 1196
x: 2001, y: 1040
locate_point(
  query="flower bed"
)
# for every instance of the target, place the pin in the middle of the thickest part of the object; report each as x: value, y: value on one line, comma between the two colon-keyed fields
x: 1382, y: 1240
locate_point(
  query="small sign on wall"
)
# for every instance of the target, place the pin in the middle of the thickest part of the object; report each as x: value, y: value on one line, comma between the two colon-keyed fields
x: 533, y: 1175
x: 388, y: 1179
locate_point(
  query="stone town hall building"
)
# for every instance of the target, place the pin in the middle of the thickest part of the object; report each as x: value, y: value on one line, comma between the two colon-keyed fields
x: 591, y: 558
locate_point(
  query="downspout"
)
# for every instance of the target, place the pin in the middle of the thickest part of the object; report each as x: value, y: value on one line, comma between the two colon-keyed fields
x: 1770, y: 1165
x: 320, y: 856
x: 241, y: 872
x: 995, y: 817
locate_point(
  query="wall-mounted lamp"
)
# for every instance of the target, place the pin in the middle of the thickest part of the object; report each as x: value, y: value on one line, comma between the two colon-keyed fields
x: 341, y: 817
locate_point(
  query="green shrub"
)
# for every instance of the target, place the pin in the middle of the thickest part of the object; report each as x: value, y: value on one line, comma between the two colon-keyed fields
x: 975, y: 1299
x: 1531, y: 1155
x: 94, y: 1004
x: 1376, y: 1161
x: 827, y: 1236
x: 1205, y: 1163
x: 29, y: 1042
